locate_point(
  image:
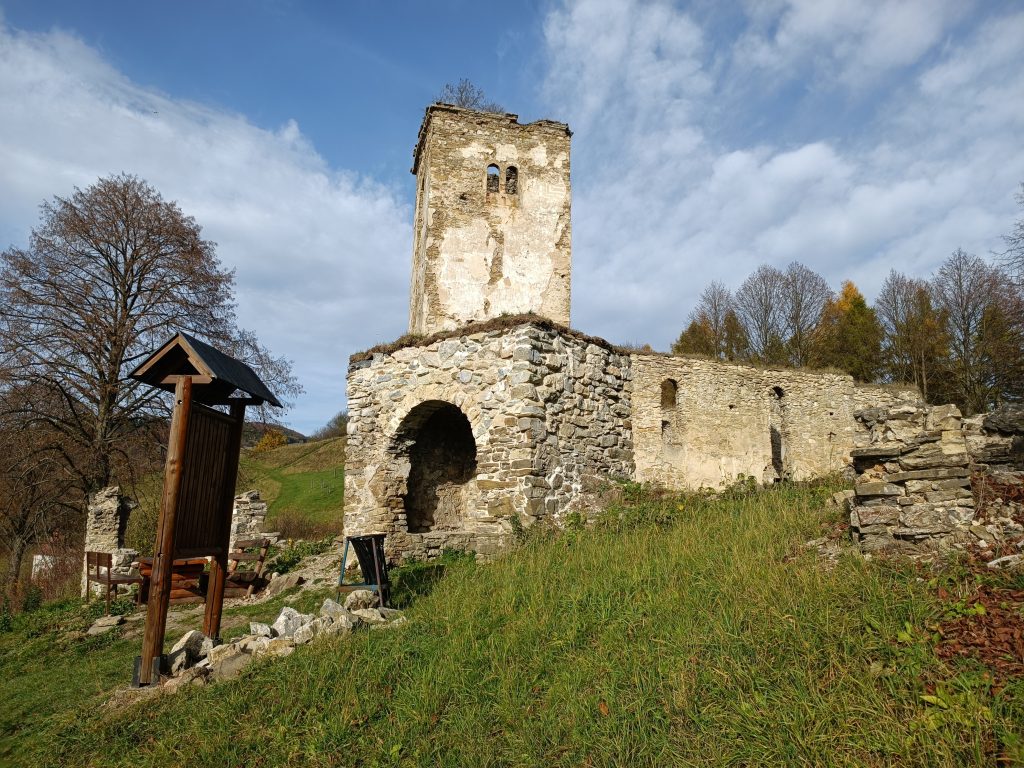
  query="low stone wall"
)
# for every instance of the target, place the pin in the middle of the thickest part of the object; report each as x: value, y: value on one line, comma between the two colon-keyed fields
x: 922, y: 474
x: 701, y: 423
x: 105, y: 526
x: 500, y: 425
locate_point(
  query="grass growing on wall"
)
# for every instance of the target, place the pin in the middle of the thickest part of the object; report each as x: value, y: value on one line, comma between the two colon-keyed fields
x: 680, y: 631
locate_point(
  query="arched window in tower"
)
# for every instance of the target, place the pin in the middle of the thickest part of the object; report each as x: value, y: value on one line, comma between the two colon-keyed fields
x: 511, y: 180
x: 493, y: 178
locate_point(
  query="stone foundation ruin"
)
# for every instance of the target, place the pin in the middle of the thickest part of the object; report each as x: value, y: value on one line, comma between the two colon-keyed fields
x: 504, y: 416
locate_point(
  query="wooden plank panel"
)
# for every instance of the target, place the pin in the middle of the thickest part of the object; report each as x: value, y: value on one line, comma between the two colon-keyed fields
x: 209, y: 441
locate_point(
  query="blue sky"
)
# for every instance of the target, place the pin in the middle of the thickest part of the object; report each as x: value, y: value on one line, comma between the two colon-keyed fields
x: 708, y: 138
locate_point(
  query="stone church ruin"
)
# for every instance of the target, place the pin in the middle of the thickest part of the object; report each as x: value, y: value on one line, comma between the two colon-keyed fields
x: 494, y: 412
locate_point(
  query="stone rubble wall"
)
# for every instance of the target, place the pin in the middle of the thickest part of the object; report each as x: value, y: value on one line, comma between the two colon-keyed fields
x: 547, y: 411
x: 721, y: 425
x: 479, y: 254
x: 106, y: 522
x: 248, y: 515
x: 920, y: 473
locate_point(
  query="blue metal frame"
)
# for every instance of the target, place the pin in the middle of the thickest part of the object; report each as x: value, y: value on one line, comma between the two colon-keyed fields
x: 341, y: 576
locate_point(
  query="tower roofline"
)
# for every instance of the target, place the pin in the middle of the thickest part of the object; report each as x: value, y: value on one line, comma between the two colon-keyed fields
x: 497, y: 117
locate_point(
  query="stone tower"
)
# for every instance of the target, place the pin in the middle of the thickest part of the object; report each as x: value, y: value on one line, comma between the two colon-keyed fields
x: 492, y: 232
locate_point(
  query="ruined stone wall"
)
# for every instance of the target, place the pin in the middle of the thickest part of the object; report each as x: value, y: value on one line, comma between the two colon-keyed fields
x: 546, y: 411
x: 105, y: 524
x: 484, y: 250
x: 248, y: 515
x: 728, y: 420
x: 929, y: 480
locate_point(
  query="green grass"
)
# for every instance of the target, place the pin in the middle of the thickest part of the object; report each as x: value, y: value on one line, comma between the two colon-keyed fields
x: 50, y: 680
x: 679, y: 631
x: 303, y: 484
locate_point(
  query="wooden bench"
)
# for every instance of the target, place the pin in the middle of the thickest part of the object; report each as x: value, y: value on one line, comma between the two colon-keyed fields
x: 99, y: 569
x: 242, y: 583
x: 188, y: 579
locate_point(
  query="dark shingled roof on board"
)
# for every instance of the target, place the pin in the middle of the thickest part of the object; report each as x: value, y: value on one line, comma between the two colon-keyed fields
x: 228, y: 373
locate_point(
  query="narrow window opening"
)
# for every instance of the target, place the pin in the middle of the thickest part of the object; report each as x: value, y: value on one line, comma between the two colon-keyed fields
x: 511, y: 180
x: 493, y: 178
x: 777, y: 432
x: 669, y: 390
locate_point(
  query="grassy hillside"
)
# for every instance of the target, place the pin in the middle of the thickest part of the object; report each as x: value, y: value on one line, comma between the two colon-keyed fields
x: 679, y: 631
x: 304, y: 485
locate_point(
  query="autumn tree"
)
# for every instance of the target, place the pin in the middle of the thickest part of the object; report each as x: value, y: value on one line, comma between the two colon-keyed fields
x: 465, y: 94
x: 915, y: 343
x: 850, y: 336
x: 110, y: 273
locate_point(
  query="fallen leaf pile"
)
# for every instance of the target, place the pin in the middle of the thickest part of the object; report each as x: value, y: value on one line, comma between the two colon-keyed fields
x: 995, y: 637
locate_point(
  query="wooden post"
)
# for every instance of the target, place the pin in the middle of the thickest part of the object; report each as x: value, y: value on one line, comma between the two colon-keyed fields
x: 219, y: 565
x: 160, y: 585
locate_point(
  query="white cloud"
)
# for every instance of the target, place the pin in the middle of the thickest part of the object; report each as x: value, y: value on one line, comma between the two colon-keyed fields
x: 664, y: 203
x: 322, y: 256
x: 854, y: 42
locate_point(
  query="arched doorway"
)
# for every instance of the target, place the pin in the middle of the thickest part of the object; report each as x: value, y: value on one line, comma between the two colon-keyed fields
x: 442, y: 459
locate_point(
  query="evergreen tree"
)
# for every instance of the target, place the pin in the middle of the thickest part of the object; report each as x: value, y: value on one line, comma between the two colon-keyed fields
x: 850, y: 336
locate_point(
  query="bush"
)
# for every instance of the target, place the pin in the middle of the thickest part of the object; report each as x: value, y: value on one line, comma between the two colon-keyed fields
x: 271, y: 439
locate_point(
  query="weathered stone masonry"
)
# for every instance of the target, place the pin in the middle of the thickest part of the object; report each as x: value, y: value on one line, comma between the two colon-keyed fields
x: 700, y: 423
x: 545, y: 410
x: 492, y: 232
x: 505, y: 415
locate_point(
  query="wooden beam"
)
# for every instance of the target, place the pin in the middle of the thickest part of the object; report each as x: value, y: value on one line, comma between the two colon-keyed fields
x: 196, y: 379
x: 219, y: 565
x: 160, y: 585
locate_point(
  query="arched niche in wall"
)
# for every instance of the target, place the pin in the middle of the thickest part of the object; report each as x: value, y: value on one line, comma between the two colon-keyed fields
x: 437, y: 440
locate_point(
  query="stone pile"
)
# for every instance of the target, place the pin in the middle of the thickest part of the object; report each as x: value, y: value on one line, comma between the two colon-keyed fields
x: 195, y: 660
x: 913, y: 490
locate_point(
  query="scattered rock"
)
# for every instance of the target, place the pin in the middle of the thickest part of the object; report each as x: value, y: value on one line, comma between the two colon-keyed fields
x: 288, y: 621
x: 279, y: 647
x: 391, y: 614
x: 307, y: 632
x: 1007, y: 563
x: 284, y: 583
x: 340, y: 625
x: 104, y: 624
x: 369, y: 616
x: 260, y: 630
x: 230, y: 663
x: 186, y: 652
x: 360, y: 599
x: 332, y: 609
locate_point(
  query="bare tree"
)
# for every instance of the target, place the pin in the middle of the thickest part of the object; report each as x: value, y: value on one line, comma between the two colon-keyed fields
x: 805, y: 295
x: 971, y: 294
x: 465, y: 94
x: 1013, y: 256
x: 708, y: 328
x: 34, y: 486
x: 915, y: 344
x: 110, y: 273
x: 760, y: 306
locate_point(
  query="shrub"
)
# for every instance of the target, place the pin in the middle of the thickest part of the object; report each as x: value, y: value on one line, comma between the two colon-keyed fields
x: 272, y: 438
